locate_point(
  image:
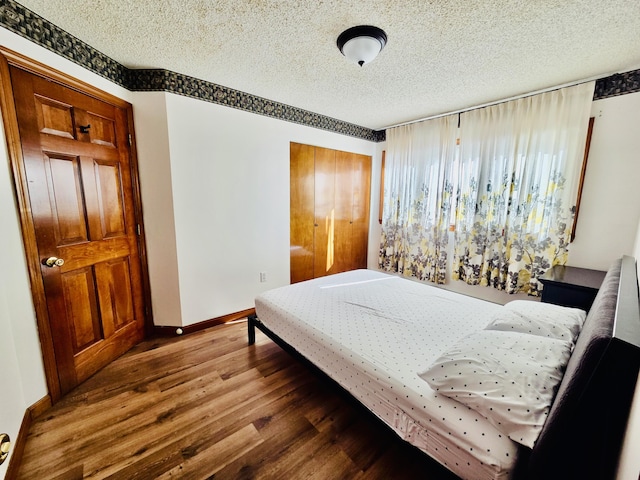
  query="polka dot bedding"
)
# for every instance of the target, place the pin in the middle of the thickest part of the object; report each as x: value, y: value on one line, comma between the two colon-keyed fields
x: 509, y: 377
x: 545, y: 319
x: 373, y: 333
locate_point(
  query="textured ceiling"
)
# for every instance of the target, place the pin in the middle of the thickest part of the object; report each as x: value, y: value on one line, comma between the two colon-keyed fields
x: 441, y: 56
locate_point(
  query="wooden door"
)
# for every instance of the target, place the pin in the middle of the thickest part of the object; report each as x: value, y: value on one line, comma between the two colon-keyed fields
x: 302, y: 213
x: 76, y: 155
x: 361, y: 193
x: 325, y: 213
x: 329, y: 201
x: 352, y: 192
x: 343, y: 202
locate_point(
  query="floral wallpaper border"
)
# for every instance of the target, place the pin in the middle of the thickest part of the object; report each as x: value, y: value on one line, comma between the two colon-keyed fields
x: 31, y: 26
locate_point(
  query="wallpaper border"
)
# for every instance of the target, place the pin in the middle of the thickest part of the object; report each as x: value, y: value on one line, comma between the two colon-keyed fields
x: 617, y: 84
x: 22, y: 21
x: 150, y: 80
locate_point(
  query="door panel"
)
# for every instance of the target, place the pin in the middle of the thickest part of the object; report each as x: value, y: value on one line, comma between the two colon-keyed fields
x: 343, y: 200
x: 361, y: 169
x: 67, y: 200
x: 111, y: 210
x: 76, y: 161
x: 102, y: 130
x: 302, y: 212
x: 82, y: 308
x: 324, y: 232
x: 116, y: 294
x: 54, y: 118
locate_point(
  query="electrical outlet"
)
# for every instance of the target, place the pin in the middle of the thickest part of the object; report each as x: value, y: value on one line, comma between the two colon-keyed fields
x: 263, y: 277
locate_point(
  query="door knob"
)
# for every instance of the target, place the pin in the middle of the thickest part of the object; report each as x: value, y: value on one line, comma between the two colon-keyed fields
x: 53, y: 262
x: 5, y: 446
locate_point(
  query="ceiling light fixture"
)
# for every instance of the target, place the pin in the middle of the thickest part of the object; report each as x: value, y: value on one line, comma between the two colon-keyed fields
x: 362, y: 44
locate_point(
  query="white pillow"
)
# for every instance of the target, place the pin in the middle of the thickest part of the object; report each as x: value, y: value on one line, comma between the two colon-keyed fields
x: 539, y: 318
x: 509, y: 378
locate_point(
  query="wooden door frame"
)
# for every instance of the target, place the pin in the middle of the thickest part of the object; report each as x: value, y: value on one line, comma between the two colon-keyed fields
x: 14, y: 149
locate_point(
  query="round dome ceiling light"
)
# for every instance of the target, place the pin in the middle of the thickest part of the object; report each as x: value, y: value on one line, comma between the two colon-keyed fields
x: 362, y: 44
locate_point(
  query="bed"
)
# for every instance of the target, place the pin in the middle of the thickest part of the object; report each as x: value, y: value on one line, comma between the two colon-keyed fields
x: 402, y: 349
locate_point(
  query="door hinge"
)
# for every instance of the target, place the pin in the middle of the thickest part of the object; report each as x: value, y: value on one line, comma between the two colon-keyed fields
x: 130, y: 141
x: 138, y: 229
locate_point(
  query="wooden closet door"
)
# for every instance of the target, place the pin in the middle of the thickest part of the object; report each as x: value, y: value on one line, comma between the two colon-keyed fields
x: 324, y: 231
x: 344, y: 190
x: 361, y: 193
x: 329, y: 200
x: 302, y: 211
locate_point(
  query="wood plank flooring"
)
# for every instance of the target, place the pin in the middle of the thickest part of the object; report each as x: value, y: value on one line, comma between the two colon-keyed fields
x: 207, y: 406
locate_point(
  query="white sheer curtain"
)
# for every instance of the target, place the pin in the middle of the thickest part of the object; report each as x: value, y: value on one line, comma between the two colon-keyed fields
x: 417, y: 198
x: 519, y: 166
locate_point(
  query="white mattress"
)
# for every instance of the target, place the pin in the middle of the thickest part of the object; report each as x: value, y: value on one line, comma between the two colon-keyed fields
x: 372, y: 332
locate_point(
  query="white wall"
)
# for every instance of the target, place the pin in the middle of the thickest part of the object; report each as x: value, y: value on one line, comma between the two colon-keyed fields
x: 13, y: 401
x: 19, y: 345
x: 629, y: 468
x: 152, y: 139
x: 636, y: 248
x: 610, y: 207
x: 375, y: 229
x: 230, y: 190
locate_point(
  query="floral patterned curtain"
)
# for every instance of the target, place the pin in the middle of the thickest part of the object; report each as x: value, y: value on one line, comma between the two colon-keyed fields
x: 519, y: 170
x: 417, y: 198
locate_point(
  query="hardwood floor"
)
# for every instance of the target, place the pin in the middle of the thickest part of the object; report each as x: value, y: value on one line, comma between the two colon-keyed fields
x: 207, y: 406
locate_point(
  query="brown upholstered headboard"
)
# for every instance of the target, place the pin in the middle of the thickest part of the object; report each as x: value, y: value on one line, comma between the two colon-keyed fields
x: 583, y: 434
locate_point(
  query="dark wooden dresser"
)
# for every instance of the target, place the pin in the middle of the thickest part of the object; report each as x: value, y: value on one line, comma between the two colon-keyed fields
x: 571, y: 286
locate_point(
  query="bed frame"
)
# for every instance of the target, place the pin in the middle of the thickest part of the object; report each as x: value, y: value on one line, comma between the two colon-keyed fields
x: 584, y: 431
